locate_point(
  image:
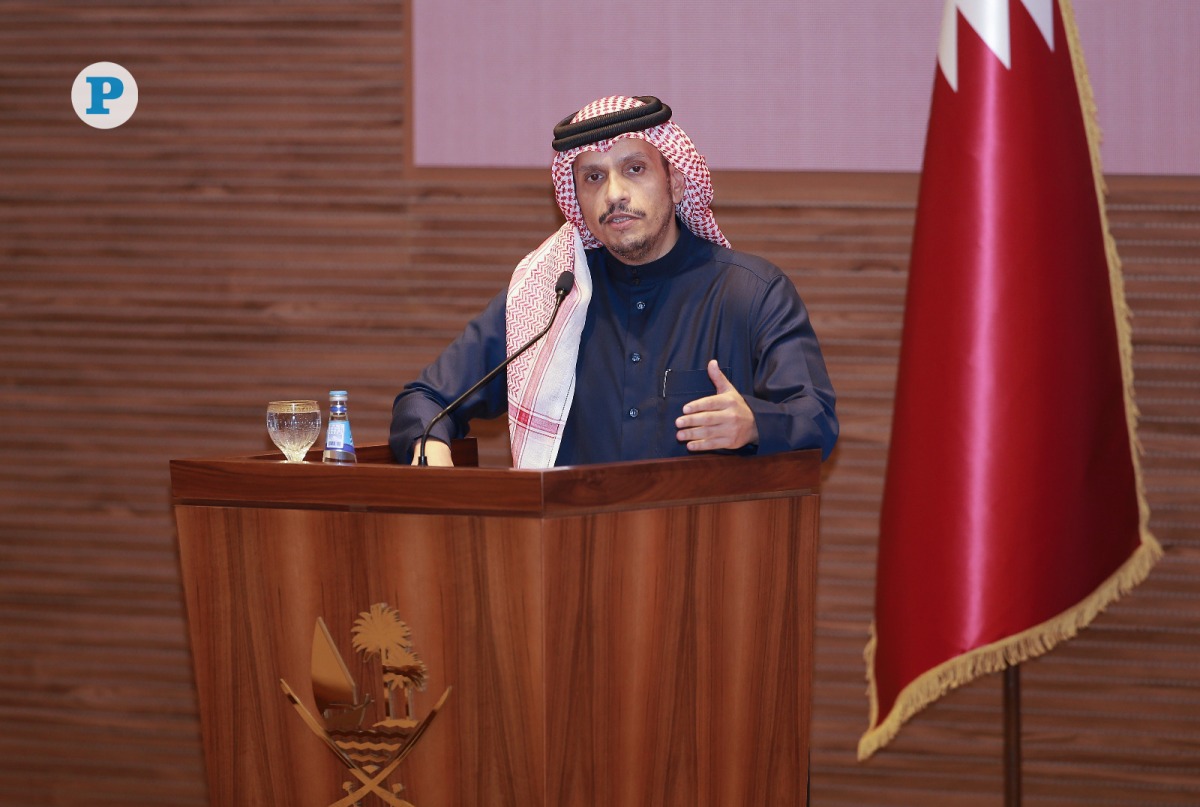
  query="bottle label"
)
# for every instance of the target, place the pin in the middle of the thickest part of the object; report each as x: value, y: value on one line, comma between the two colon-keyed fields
x: 339, y: 436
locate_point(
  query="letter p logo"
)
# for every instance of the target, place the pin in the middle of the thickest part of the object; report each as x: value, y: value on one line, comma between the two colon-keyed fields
x: 104, y: 88
x: 104, y: 95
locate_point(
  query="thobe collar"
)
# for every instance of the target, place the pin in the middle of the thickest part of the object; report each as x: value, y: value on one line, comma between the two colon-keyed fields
x: 675, y: 261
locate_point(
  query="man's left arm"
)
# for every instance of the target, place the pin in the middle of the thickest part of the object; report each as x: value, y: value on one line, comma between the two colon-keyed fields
x: 792, y: 405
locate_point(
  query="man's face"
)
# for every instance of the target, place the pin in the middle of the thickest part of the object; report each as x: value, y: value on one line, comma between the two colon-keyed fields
x: 627, y: 196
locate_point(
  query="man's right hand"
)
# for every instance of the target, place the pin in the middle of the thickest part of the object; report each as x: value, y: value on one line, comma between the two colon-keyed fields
x: 437, y: 453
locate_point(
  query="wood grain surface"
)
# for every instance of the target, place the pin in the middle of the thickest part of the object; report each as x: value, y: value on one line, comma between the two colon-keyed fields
x: 256, y: 581
x: 682, y: 642
x: 377, y: 483
x: 657, y: 655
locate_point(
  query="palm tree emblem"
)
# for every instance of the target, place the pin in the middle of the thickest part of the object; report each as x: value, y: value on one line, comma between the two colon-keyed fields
x: 380, y: 632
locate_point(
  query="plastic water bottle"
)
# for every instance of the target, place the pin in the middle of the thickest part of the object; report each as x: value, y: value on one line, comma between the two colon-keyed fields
x: 339, y: 442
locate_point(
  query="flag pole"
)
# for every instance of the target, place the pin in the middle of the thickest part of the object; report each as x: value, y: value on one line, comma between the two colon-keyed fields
x: 1012, y: 736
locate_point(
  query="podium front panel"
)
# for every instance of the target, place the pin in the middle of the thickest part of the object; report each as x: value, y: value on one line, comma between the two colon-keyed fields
x: 650, y: 647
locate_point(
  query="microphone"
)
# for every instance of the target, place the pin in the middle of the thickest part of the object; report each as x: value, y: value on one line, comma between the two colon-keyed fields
x: 562, y: 287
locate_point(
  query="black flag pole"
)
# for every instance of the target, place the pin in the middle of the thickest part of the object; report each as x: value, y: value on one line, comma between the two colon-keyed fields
x: 1012, y: 736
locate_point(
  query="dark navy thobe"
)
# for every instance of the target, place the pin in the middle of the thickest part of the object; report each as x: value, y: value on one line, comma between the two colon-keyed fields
x: 647, y: 338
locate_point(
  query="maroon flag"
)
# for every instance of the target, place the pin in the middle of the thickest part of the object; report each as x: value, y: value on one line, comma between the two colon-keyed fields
x: 1013, y: 510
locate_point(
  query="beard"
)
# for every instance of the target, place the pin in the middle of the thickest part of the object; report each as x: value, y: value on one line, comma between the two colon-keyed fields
x: 649, y: 245
x: 637, y: 250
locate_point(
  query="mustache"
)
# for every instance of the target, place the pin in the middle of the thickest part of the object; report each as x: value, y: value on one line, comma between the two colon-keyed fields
x: 621, y: 208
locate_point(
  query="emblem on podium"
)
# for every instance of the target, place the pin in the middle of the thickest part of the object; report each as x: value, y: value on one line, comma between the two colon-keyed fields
x: 370, y: 754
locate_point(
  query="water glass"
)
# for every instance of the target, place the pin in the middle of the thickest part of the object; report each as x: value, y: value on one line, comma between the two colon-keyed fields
x: 294, y: 426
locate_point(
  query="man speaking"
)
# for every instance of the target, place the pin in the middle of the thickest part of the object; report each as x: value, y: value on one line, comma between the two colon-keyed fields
x: 667, y: 343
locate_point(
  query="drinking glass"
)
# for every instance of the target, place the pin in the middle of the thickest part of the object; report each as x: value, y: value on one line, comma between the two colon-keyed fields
x: 294, y: 426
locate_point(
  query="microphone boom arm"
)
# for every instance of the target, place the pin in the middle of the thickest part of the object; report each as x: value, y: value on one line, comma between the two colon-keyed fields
x: 561, y: 289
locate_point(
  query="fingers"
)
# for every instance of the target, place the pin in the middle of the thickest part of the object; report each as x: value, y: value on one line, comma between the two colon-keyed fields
x: 712, y: 424
x: 713, y: 402
x: 717, y: 421
x: 437, y: 453
x: 707, y: 411
x: 698, y: 442
x: 718, y: 378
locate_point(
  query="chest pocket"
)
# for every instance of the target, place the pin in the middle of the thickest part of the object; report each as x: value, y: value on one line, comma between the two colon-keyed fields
x: 691, y: 383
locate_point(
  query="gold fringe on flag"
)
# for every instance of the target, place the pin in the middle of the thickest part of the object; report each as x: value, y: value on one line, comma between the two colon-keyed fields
x: 1015, y: 649
x: 1036, y: 641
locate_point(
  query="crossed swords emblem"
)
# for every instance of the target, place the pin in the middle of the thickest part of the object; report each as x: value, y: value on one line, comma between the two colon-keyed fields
x: 370, y: 755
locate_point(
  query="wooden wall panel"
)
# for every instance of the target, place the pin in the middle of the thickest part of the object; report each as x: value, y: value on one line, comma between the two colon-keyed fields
x: 255, y: 232
x: 161, y: 282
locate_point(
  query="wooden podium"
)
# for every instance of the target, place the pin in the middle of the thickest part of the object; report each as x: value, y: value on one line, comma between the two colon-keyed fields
x: 628, y: 634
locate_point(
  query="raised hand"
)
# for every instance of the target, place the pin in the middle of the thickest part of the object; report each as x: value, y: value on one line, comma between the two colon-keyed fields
x: 718, y: 421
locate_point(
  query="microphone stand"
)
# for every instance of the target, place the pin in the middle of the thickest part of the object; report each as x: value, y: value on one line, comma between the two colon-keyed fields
x: 561, y: 289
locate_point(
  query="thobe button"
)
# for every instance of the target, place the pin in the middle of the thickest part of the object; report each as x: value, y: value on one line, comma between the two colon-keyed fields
x: 633, y: 412
x: 635, y: 358
x: 640, y: 305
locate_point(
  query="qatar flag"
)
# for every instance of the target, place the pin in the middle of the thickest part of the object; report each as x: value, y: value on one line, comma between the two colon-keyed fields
x: 1013, y: 510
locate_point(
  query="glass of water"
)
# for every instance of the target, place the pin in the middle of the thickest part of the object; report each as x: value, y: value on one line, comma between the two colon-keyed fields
x: 294, y: 426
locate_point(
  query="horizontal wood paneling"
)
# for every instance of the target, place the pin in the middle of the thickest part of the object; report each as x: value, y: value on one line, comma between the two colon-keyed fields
x: 254, y: 232
x: 159, y: 280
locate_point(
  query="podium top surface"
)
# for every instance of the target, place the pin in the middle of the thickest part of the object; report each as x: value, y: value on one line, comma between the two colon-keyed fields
x: 377, y: 483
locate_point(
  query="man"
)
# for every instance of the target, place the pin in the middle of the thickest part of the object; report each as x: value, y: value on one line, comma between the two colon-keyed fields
x: 669, y: 343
